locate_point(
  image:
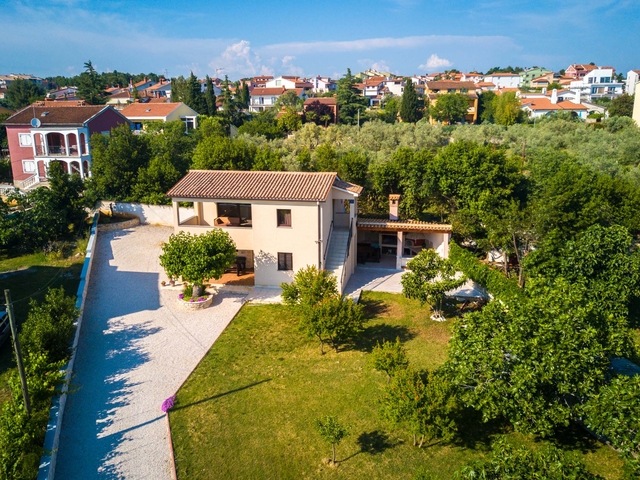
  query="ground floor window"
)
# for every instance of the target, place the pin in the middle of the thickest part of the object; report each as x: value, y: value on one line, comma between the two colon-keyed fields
x: 285, y: 261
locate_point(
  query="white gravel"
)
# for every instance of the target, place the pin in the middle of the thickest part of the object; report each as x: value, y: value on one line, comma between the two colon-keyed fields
x: 136, y: 348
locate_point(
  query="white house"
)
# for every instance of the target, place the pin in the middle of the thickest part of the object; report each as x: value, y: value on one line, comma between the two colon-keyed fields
x: 283, y: 221
x: 323, y: 84
x: 138, y: 113
x: 289, y: 83
x: 633, y: 77
x: 636, y: 108
x: 263, y: 98
x: 540, y: 105
x: 504, y: 80
x: 599, y: 82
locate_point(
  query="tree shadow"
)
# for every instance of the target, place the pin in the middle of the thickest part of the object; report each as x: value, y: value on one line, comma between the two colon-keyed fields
x: 374, y: 334
x: 218, y: 395
x: 473, y: 433
x: 374, y: 442
x: 373, y: 308
x: 574, y: 437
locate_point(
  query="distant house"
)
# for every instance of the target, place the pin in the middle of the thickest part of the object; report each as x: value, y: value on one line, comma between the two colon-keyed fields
x: 504, y: 80
x: 289, y: 83
x: 578, y: 71
x: 6, y: 80
x: 63, y: 93
x: 43, y: 133
x: 138, y: 113
x: 532, y: 73
x: 633, y: 77
x: 141, y: 85
x: 543, y: 105
x: 597, y: 83
x: 264, y: 98
x: 322, y: 84
x: 320, y: 103
x: 434, y: 89
x: 261, y: 81
x: 636, y: 108
x: 160, y: 89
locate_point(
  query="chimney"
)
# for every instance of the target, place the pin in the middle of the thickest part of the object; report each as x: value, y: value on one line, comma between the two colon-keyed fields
x: 394, y: 202
x: 576, y: 99
x: 544, y: 90
x: 554, y: 96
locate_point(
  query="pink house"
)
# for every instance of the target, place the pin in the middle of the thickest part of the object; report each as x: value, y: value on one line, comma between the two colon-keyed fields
x: 48, y: 132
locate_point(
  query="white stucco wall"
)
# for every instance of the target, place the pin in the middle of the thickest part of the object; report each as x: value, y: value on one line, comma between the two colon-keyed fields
x: 149, y: 214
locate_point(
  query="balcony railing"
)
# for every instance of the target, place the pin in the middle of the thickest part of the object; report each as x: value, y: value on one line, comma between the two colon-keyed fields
x: 57, y: 150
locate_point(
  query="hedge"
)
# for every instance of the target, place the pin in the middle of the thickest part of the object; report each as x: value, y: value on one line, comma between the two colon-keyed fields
x: 494, y: 281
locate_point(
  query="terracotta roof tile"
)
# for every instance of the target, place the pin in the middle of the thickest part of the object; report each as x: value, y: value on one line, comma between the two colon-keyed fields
x: 55, y: 115
x: 145, y: 110
x: 257, y: 91
x: 447, y: 84
x: 259, y: 185
x: 323, y: 100
x: 398, y: 225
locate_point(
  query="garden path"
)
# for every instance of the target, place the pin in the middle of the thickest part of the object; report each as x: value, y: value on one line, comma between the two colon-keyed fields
x: 137, y: 346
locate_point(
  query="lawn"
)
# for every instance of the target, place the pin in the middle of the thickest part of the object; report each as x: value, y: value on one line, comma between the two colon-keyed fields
x: 248, y: 409
x: 27, y: 277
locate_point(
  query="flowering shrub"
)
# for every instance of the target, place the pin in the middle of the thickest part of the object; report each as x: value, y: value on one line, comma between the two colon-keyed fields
x: 190, y: 299
x: 168, y: 403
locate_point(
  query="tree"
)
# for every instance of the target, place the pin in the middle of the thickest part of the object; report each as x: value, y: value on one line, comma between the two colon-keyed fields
x: 389, y: 357
x: 536, y: 359
x: 50, y: 325
x: 622, y: 106
x: 410, y: 105
x: 290, y: 120
x: 116, y: 162
x: 210, y: 98
x: 319, y: 113
x: 90, y: 85
x: 450, y: 107
x: 195, y: 98
x: 391, y: 107
x: 349, y: 100
x: 222, y: 153
x: 422, y: 402
x: 331, y: 432
x: 21, y: 93
x: 309, y: 287
x: 429, y: 278
x: 486, y: 106
x: 506, y: 109
x: 289, y: 100
x: 615, y: 413
x: 510, y: 462
x: 198, y: 258
x: 245, y: 96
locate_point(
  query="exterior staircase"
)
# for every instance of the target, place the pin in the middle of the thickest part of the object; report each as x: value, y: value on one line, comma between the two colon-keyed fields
x: 336, y: 253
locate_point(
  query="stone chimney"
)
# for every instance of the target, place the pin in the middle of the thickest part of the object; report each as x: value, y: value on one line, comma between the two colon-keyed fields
x: 554, y: 96
x: 394, y: 202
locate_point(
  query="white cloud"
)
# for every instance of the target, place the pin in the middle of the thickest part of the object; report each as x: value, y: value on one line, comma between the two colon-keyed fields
x: 434, y: 62
x: 240, y: 59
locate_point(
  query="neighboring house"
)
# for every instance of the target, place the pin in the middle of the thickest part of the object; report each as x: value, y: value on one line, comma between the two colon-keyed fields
x: 138, y: 113
x: 504, y: 80
x: 372, y: 89
x: 261, y: 81
x: 636, y: 108
x: 279, y: 221
x: 394, y: 86
x: 532, y: 73
x: 598, y: 83
x: 263, y: 98
x: 577, y: 71
x: 217, y: 91
x: 434, y: 89
x: 474, y: 77
x: 289, y: 83
x: 633, y: 77
x: 283, y: 221
x: 63, y: 93
x: 323, y: 84
x: 142, y: 85
x: 55, y: 132
x: 486, y: 86
x: 330, y: 102
x: 542, y: 106
x: 160, y: 89
x: 120, y: 98
x: 6, y: 80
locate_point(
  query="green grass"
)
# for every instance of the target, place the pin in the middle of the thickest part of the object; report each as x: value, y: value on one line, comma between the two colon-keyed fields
x: 248, y: 409
x: 27, y: 277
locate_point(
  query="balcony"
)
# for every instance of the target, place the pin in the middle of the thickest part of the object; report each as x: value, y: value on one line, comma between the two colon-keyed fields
x: 56, y: 150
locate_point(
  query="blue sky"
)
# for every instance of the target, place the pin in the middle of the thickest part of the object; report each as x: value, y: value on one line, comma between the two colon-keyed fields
x: 247, y: 38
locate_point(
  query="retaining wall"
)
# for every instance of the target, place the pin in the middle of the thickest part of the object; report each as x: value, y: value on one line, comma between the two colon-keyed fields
x: 148, y: 214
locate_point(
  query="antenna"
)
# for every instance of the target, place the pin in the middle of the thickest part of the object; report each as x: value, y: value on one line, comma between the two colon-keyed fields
x: 35, y: 122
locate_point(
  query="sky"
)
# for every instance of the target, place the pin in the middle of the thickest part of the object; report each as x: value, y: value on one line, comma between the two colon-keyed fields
x: 247, y: 38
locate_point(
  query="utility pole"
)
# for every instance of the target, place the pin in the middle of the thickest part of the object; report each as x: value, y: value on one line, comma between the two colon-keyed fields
x: 358, y: 118
x: 16, y: 345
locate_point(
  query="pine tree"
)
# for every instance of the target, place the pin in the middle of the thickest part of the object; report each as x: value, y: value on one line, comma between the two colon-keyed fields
x: 194, y: 96
x: 210, y: 97
x: 410, y: 105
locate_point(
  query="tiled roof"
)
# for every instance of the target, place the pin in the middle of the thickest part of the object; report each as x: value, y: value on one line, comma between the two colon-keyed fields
x: 136, y: 110
x: 446, y: 84
x: 503, y: 75
x: 323, y: 100
x: 545, y: 104
x: 267, y: 91
x: 258, y: 185
x: 401, y: 226
x: 58, y: 115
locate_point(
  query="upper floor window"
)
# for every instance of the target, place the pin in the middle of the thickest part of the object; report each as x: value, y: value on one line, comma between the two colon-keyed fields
x: 284, y: 218
x: 234, y: 214
x: 25, y: 140
x: 605, y: 79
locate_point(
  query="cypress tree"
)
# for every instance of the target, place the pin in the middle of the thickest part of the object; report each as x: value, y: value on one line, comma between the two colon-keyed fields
x: 210, y: 97
x: 410, y: 105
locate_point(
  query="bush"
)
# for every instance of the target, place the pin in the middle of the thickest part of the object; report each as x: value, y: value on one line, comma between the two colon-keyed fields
x: 50, y: 325
x: 495, y: 282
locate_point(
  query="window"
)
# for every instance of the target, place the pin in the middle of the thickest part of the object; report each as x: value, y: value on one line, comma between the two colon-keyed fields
x: 235, y: 214
x: 273, y: 100
x: 190, y: 123
x: 285, y: 261
x: 278, y: 83
x: 284, y: 218
x: 25, y: 140
x: 28, y: 166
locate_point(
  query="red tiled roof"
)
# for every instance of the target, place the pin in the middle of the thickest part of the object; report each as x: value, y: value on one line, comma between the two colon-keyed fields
x: 55, y: 115
x: 259, y: 185
x: 503, y: 75
x: 146, y: 110
x: 257, y: 91
x: 323, y: 100
x: 545, y: 104
x: 447, y: 84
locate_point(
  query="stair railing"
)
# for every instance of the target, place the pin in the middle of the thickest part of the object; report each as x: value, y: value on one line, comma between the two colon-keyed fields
x: 326, y: 247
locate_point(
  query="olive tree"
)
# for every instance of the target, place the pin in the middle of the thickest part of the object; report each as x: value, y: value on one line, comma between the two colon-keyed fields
x: 331, y: 432
x: 389, y: 357
x: 197, y: 258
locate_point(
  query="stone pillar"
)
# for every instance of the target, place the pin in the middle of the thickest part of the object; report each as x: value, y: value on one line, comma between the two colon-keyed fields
x: 66, y: 146
x: 399, y: 250
x: 176, y: 215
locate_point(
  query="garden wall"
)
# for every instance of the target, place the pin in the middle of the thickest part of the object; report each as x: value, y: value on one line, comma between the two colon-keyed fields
x: 148, y: 214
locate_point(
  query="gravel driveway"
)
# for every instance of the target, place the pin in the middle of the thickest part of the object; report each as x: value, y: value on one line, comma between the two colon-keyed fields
x: 136, y: 348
